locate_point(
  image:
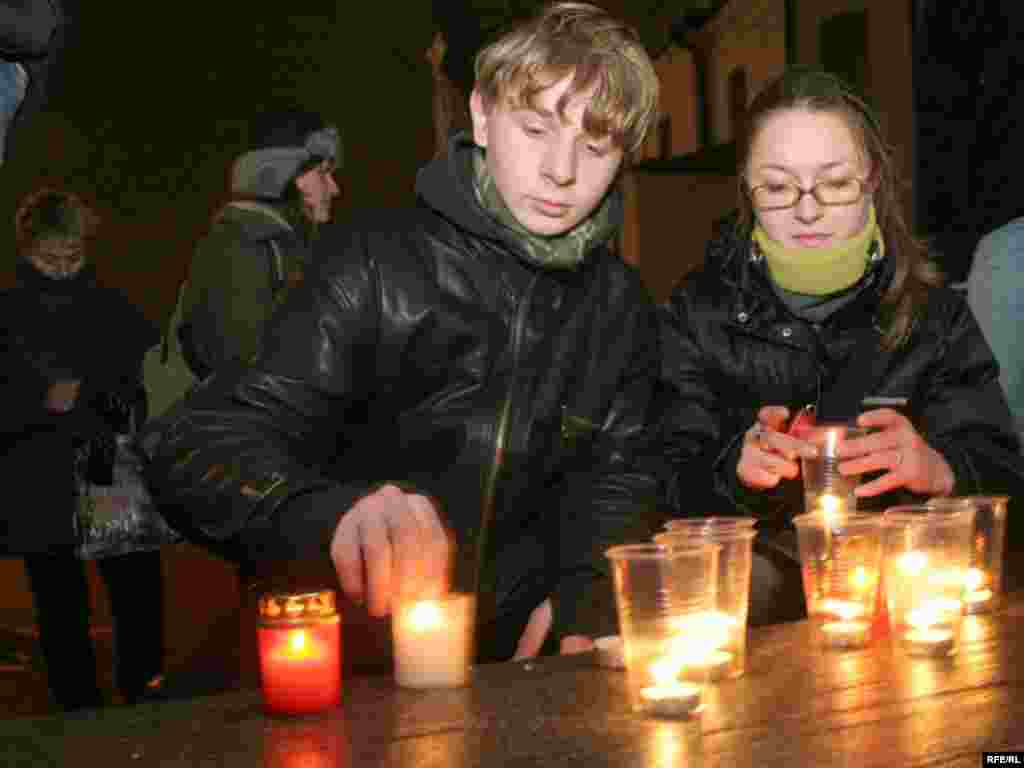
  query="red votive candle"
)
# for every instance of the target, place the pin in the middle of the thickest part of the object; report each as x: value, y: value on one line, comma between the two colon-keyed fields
x: 300, y: 652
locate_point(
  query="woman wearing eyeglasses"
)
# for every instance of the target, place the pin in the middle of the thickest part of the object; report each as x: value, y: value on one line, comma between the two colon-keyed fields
x: 816, y: 292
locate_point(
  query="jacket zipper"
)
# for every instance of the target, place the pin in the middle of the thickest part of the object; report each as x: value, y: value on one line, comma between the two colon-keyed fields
x: 501, y: 431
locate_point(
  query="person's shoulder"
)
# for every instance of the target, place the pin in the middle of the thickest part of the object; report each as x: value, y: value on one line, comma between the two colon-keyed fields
x: 394, y: 237
x: 709, y: 283
x: 945, y: 308
x: 1004, y: 245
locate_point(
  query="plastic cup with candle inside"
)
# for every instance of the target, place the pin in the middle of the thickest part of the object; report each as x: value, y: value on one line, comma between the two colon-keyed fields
x: 840, y: 559
x: 299, y: 644
x: 927, y: 557
x: 658, y: 590
x: 826, y: 491
x: 726, y: 625
x: 433, y: 640
x: 983, y: 579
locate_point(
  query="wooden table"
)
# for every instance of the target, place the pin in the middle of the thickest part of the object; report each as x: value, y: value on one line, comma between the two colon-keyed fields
x: 796, y: 706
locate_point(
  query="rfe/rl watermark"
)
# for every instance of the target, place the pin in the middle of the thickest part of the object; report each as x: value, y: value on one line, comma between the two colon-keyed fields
x: 1002, y: 758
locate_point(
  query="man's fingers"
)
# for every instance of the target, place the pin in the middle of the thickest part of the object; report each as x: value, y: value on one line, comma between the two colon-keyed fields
x: 377, y: 556
x: 434, y: 547
x: 348, y: 560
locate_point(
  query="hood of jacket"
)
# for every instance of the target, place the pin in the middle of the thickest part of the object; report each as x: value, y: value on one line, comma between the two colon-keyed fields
x: 446, y: 185
x: 259, y: 220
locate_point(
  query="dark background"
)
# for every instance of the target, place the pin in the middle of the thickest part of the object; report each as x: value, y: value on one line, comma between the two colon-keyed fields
x: 150, y: 107
x: 151, y: 101
x: 151, y: 110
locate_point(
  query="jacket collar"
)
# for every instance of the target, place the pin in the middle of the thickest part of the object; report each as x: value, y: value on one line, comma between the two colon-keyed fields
x: 446, y: 185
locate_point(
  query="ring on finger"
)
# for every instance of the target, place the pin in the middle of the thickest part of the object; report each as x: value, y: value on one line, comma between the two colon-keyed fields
x: 757, y: 432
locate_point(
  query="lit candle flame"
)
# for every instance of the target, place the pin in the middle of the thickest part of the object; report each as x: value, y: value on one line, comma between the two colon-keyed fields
x: 861, y: 579
x: 912, y: 562
x: 844, y: 609
x: 424, y: 616
x: 831, y: 506
x: 974, y: 578
x: 297, y: 643
x: 665, y: 670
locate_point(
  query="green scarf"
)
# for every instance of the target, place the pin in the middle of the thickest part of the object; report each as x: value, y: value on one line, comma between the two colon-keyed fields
x: 821, y: 271
x: 564, y: 251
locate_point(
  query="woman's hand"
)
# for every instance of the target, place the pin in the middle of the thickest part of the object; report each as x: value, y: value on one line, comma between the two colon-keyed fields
x: 897, y: 449
x: 769, y: 454
x: 536, y: 632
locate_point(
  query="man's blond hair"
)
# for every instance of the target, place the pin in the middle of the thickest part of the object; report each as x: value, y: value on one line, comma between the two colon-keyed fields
x: 584, y: 41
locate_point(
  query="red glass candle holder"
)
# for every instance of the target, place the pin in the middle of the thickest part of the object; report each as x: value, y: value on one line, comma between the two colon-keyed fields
x: 300, y: 652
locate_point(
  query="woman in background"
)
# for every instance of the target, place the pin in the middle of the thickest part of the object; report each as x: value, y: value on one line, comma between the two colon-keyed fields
x: 71, y: 352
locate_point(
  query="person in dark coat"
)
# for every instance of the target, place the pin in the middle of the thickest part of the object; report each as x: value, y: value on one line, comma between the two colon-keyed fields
x: 817, y: 289
x: 482, y: 359
x: 70, y: 352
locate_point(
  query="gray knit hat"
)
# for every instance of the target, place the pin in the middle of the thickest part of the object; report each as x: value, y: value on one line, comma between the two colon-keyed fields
x: 280, y: 144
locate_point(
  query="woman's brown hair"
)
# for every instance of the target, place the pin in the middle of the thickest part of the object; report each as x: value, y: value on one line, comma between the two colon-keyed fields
x: 49, y: 212
x: 817, y: 91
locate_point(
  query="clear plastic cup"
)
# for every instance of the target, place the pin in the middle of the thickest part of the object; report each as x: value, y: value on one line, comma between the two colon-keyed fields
x: 927, y: 556
x: 661, y: 593
x: 984, y: 578
x: 728, y: 618
x: 825, y: 490
x: 840, y: 560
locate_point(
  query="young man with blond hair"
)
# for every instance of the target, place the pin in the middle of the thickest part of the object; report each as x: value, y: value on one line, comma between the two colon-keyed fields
x: 470, y: 377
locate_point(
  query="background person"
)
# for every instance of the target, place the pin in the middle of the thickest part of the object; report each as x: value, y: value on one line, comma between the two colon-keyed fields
x: 258, y: 247
x: 816, y: 281
x: 71, y: 352
x: 995, y: 292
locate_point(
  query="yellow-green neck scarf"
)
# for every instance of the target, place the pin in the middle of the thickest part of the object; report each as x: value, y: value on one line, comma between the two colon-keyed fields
x: 821, y: 271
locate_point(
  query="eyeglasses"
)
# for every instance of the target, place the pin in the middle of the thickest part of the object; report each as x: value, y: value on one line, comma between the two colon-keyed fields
x: 774, y: 197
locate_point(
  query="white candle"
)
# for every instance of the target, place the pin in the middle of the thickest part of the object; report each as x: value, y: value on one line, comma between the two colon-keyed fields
x: 669, y: 696
x: 433, y: 641
x: 842, y: 609
x: 674, y: 698
x: 978, y: 597
x: 845, y: 634
x: 930, y: 633
x: 929, y: 641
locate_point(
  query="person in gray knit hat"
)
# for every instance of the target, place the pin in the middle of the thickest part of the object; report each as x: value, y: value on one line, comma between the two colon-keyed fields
x: 282, y: 189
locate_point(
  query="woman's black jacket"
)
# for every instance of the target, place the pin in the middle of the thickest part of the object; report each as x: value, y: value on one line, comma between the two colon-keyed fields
x: 731, y: 346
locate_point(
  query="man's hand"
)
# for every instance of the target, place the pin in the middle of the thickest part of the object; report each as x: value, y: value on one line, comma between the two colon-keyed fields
x: 391, y: 544
x: 62, y: 395
x: 536, y: 632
